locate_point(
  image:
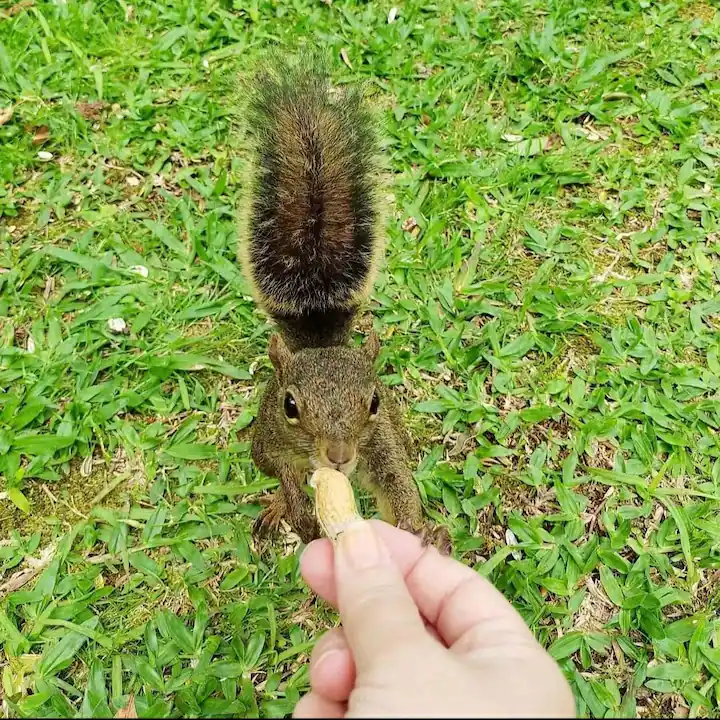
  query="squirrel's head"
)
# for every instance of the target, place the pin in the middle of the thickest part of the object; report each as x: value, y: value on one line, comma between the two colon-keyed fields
x: 329, y: 399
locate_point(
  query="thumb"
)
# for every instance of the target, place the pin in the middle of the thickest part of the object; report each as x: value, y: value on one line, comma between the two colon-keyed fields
x: 377, y: 612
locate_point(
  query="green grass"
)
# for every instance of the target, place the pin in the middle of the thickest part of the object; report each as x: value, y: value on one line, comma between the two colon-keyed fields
x: 549, y: 314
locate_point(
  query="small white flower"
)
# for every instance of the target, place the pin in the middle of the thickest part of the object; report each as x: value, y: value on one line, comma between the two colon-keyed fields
x: 117, y: 325
x: 44, y: 155
x: 139, y: 270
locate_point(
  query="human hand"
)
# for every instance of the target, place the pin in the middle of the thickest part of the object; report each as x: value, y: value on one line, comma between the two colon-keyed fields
x: 423, y: 636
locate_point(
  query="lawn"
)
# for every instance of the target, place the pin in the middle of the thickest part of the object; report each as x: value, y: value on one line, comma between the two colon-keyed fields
x: 548, y: 312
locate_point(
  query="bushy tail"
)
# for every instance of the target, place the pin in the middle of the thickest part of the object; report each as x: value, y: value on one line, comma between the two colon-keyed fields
x: 310, y: 236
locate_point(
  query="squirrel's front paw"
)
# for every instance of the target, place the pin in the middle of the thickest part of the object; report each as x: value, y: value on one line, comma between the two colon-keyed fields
x: 431, y: 534
x: 308, y: 530
x: 437, y: 535
x: 268, y: 521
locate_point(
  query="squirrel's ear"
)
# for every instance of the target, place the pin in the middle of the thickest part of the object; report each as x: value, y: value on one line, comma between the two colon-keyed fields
x: 372, y: 345
x: 279, y: 352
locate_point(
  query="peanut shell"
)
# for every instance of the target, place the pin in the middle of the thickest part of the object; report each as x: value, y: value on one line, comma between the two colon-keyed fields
x: 335, y: 506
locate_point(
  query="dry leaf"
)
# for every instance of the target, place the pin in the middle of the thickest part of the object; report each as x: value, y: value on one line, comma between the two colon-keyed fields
x: 6, y: 115
x: 49, y: 287
x: 91, y: 111
x: 23, y: 577
x: 345, y: 58
x: 132, y: 181
x: 592, y: 133
x: 41, y: 135
x: 511, y: 539
x: 129, y: 710
x: 17, y: 7
x: 410, y: 224
x: 87, y: 466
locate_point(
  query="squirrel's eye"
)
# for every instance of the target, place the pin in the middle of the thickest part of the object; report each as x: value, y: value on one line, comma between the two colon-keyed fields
x: 291, y: 409
x: 375, y: 403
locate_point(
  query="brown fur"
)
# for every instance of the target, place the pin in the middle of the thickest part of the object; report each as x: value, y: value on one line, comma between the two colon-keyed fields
x: 333, y: 388
x: 304, y: 177
x: 310, y: 246
x: 310, y: 233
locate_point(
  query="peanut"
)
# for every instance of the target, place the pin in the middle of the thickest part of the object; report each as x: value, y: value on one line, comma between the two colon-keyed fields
x: 334, y: 502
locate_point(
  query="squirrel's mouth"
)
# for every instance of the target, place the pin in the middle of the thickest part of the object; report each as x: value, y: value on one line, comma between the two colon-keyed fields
x: 346, y: 468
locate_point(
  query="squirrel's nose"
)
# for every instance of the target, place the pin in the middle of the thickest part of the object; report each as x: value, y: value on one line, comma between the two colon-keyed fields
x: 340, y: 453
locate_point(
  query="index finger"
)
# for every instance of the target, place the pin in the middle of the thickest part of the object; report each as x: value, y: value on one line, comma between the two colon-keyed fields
x: 451, y: 596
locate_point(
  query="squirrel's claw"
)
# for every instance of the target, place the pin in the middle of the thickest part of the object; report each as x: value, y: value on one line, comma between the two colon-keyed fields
x: 268, y: 521
x: 437, y: 535
x: 430, y: 534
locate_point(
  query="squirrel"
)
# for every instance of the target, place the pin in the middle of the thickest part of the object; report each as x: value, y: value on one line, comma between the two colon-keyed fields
x: 310, y: 241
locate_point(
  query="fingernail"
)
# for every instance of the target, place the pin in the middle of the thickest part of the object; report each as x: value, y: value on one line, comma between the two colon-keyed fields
x: 360, y: 546
x: 330, y: 657
x: 333, y: 642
